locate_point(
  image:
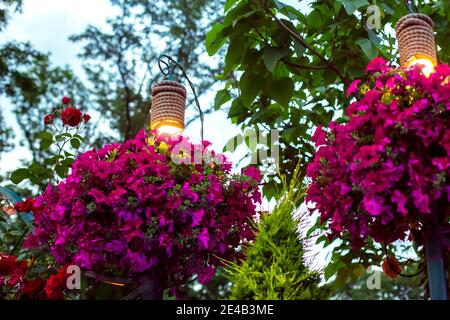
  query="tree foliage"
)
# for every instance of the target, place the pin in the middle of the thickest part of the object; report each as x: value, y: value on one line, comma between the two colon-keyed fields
x: 6, y: 8
x: 288, y: 68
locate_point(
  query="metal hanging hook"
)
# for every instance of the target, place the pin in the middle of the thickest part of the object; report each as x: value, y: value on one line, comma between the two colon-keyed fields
x: 167, y: 67
x: 411, y: 6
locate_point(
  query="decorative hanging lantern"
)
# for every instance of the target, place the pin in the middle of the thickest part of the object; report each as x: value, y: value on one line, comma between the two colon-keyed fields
x: 168, y: 107
x: 415, y: 36
x: 169, y: 100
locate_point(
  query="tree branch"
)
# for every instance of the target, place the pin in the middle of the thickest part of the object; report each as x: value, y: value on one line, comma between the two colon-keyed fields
x: 303, y: 42
x: 289, y: 63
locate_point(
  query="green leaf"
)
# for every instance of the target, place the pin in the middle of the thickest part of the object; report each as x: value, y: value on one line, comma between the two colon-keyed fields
x: 272, y: 55
x: 298, y: 48
x: 249, y: 87
x: 75, y: 143
x: 281, y: 90
x: 242, y: 10
x: 46, y: 144
x: 53, y: 160
x: 222, y: 96
x: 322, y: 238
x: 78, y: 137
x: 314, y: 19
x: 330, y: 271
x: 62, y: 170
x: 46, y: 139
x: 368, y: 47
x: 45, y: 135
x: 68, y: 161
x: 352, y: 5
x: 236, y: 50
x: 236, y: 109
x: 215, y: 39
x: 229, y: 4
x: 19, y: 175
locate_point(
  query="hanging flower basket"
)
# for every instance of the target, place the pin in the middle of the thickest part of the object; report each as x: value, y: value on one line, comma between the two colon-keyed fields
x: 385, y: 173
x: 152, y: 206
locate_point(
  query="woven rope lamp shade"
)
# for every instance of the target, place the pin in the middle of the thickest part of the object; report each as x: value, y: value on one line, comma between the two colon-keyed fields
x: 168, y: 107
x: 415, y: 36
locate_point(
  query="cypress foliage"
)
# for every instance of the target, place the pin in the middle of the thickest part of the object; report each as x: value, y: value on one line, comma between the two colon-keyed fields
x: 274, y: 267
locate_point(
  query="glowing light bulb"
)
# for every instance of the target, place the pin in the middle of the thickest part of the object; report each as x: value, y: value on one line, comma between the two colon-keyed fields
x: 170, y: 130
x: 426, y: 63
x: 168, y: 126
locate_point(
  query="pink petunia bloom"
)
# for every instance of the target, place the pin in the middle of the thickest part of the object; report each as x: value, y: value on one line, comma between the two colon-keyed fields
x: 377, y: 64
x: 203, y: 239
x: 353, y: 87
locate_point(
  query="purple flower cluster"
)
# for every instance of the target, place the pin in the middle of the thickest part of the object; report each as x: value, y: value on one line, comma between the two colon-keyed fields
x: 146, y: 206
x: 386, y: 170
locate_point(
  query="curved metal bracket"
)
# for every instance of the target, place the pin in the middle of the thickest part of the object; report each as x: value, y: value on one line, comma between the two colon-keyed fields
x: 167, y: 68
x: 411, y: 6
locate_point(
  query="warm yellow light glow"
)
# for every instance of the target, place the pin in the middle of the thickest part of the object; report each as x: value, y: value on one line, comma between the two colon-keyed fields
x: 169, y: 130
x: 427, y: 64
x: 169, y: 127
x: 115, y: 283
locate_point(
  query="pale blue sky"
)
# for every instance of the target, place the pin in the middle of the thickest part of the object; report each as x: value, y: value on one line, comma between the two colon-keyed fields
x: 47, y: 24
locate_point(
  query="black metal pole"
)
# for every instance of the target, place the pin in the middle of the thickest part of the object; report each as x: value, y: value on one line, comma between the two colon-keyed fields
x: 437, y: 282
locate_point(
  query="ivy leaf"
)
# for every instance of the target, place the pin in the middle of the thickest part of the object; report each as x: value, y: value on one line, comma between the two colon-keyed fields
x: 368, y: 47
x: 19, y: 175
x: 249, y: 87
x: 222, y: 97
x: 214, y: 39
x: 352, y: 5
x: 272, y: 55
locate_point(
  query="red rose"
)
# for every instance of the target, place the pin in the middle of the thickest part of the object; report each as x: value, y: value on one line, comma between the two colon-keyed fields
x: 66, y: 100
x: 56, y: 284
x: 86, y: 117
x: 11, y: 270
x: 25, y: 206
x: 71, y: 116
x: 391, y: 267
x: 48, y: 119
x: 32, y: 288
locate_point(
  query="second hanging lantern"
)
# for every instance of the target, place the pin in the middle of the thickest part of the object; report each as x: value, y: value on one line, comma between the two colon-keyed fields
x: 415, y: 36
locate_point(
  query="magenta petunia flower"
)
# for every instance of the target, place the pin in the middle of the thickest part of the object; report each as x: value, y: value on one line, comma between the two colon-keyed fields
x: 133, y: 208
x: 353, y: 87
